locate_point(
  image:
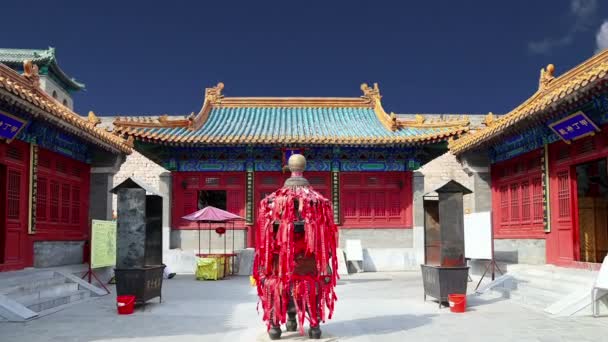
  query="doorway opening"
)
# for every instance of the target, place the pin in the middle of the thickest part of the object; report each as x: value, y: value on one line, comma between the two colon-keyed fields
x: 592, y: 198
x: 214, y: 198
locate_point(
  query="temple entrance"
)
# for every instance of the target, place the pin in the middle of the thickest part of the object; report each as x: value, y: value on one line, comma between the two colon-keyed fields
x: 214, y: 198
x: 592, y: 199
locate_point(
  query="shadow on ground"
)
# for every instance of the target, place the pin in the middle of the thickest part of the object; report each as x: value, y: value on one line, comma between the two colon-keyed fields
x: 376, y: 325
x: 361, y: 281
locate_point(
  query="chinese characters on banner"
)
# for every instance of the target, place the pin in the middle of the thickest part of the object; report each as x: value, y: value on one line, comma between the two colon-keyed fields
x: 574, y: 126
x: 10, y: 126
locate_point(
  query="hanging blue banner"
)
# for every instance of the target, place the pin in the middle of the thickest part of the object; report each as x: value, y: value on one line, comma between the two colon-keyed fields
x: 574, y: 127
x: 10, y: 126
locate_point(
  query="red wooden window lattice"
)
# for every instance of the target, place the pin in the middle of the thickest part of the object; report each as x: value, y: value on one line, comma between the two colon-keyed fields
x: 525, y: 201
x: 13, y: 191
x: 62, y: 191
x: 518, y: 196
x: 504, y: 204
x: 537, y: 199
x: 563, y: 194
x: 514, y: 194
x: 375, y: 199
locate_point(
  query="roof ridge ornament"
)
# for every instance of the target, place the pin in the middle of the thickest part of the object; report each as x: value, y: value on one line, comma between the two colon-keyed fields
x: 546, y: 76
x: 30, y: 71
x: 420, y: 118
x: 214, y: 94
x: 93, y: 119
x: 372, y: 95
x: 489, y: 120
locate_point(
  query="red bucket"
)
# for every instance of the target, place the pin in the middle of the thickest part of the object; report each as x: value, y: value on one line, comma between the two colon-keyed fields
x: 125, y: 304
x: 458, y: 302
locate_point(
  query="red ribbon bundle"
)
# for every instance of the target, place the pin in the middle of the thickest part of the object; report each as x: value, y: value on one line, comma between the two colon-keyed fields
x: 275, y: 257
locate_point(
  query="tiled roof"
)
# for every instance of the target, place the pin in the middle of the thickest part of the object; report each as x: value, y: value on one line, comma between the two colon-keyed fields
x: 16, y: 57
x: 324, y: 121
x: 26, y: 88
x: 552, y: 92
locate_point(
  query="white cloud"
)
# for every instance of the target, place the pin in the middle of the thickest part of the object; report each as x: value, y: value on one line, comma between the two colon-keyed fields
x: 583, y: 8
x: 601, y: 37
x: 582, y: 13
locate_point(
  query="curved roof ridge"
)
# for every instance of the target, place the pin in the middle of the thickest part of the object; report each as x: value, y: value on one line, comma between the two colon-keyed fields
x: 551, y: 91
x: 48, y: 58
x: 26, y: 87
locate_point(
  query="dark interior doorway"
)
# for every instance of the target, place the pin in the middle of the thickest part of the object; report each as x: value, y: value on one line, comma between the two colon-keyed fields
x: 214, y: 198
x: 592, y: 192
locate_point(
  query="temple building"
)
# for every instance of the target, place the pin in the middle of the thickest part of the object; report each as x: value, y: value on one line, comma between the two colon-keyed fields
x: 547, y: 159
x: 53, y: 80
x: 56, y: 168
x: 233, y: 152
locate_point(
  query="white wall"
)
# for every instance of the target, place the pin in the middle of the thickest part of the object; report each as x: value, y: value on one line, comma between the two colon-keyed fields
x: 49, y: 86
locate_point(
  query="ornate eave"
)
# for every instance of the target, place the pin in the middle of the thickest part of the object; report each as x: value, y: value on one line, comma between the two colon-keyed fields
x: 157, y: 130
x: 551, y: 93
x: 24, y: 89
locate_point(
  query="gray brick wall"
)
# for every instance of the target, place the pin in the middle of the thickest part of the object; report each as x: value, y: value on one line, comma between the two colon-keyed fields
x: 140, y: 167
x: 444, y: 168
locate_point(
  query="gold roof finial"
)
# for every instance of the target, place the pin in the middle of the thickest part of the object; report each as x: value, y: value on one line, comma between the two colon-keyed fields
x: 546, y: 76
x: 420, y: 119
x: 214, y: 94
x: 371, y: 93
x: 93, y: 119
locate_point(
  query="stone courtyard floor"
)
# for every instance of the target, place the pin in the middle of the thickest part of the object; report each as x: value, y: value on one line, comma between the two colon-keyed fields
x: 371, y: 307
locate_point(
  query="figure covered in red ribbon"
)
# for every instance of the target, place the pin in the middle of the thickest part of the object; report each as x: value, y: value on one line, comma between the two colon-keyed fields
x: 295, y: 265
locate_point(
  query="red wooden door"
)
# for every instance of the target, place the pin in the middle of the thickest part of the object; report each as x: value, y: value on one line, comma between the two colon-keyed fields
x: 14, y: 162
x: 560, y: 242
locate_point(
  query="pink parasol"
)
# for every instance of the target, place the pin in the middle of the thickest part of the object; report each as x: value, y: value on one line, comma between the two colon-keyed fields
x: 212, y: 214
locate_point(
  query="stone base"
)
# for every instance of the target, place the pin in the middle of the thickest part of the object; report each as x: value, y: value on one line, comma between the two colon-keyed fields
x: 378, y: 237
x: 389, y: 259
x: 520, y: 251
x: 244, y: 261
x: 57, y: 253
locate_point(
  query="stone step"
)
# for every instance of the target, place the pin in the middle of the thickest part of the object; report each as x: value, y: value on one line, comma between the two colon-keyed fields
x: 56, y: 290
x: 571, y: 276
x: 537, y: 300
x: 559, y: 286
x: 32, y: 286
x: 12, y: 280
x: 46, y: 303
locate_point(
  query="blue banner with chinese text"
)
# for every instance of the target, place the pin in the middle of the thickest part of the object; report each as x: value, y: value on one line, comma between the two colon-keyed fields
x: 10, y: 126
x: 574, y: 126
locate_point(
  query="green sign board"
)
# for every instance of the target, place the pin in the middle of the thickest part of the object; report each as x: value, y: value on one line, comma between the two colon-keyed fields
x: 103, y: 244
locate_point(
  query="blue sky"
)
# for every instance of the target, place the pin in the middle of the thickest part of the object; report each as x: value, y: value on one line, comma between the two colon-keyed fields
x: 427, y: 56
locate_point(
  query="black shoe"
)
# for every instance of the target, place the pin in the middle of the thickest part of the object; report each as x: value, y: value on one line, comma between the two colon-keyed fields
x: 171, y: 275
